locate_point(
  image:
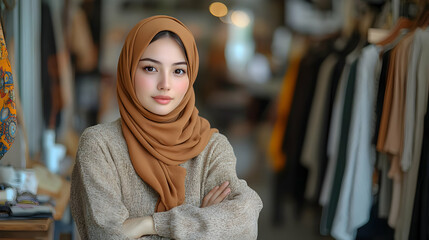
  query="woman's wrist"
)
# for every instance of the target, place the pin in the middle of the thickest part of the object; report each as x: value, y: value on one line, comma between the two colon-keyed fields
x: 149, y: 225
x: 137, y: 227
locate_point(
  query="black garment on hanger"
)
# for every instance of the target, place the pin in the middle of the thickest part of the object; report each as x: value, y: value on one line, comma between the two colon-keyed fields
x: 352, y: 43
x: 298, y: 118
x: 381, y: 92
x: 420, y: 219
x: 292, y: 179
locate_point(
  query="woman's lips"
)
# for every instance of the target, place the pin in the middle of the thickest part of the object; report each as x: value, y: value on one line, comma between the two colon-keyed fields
x: 162, y: 99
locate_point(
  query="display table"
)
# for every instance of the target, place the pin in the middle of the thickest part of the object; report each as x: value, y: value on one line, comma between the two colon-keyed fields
x: 61, y: 198
x: 37, y: 228
x: 42, y: 228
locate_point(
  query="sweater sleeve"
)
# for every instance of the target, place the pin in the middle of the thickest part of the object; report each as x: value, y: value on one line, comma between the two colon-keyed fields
x: 234, y: 218
x: 95, y: 191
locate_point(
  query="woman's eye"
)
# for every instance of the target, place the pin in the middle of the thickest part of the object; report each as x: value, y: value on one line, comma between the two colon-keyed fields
x: 179, y: 71
x: 149, y: 69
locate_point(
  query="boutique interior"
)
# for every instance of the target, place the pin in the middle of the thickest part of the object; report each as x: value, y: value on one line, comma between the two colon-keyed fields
x: 323, y: 101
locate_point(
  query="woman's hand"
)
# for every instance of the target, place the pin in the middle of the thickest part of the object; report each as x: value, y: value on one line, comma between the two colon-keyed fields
x: 137, y: 227
x: 216, y: 195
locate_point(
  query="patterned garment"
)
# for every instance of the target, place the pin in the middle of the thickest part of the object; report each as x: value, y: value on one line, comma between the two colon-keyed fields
x: 8, y: 122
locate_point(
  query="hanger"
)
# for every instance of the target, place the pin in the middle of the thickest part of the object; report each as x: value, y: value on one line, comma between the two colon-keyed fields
x: 402, y: 23
x: 422, y: 18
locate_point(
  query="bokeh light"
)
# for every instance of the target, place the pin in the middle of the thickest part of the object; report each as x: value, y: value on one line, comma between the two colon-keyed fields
x: 240, y: 18
x: 218, y: 9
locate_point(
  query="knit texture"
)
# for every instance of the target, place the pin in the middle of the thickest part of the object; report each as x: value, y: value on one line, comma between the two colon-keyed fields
x: 106, y: 190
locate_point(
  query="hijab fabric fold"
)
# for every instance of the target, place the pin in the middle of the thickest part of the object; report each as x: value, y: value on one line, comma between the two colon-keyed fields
x: 158, y: 144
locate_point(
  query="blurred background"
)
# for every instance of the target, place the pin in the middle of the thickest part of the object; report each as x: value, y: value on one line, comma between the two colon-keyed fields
x: 274, y: 75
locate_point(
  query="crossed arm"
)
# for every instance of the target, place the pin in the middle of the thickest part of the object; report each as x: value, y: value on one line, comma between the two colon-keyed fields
x: 104, y: 191
x: 137, y: 227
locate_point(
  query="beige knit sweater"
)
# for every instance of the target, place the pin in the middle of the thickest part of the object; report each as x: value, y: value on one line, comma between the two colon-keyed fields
x: 105, y: 191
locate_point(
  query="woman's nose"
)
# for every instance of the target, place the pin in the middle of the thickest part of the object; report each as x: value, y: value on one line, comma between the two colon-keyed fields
x: 164, y: 82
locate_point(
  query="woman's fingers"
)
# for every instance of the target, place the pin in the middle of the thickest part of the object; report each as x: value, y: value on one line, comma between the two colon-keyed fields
x: 220, y: 190
x: 207, y: 198
x: 216, y: 195
x: 221, y: 196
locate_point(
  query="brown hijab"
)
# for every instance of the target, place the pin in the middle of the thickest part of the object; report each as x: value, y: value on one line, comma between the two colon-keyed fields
x: 158, y: 144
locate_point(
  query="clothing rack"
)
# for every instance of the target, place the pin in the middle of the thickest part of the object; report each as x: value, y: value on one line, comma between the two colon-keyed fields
x: 340, y: 160
x: 412, y: 10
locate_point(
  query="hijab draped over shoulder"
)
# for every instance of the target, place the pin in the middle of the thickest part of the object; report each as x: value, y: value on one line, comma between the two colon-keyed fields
x: 158, y: 144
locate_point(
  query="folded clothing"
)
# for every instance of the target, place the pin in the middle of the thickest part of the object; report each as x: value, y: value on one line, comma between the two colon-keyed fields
x: 28, y: 210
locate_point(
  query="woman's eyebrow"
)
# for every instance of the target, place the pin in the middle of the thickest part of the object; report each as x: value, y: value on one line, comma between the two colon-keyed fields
x: 150, y: 60
x: 180, y: 63
x: 158, y: 62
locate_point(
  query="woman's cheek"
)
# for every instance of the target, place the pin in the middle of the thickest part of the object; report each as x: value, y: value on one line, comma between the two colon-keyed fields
x: 143, y: 83
x: 183, y: 86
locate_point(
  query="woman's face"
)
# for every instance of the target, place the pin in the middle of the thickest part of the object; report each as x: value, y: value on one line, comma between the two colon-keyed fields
x: 161, y: 78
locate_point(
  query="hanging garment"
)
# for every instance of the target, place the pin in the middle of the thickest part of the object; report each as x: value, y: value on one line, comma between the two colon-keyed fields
x: 388, y: 94
x: 420, y: 98
x: 410, y: 104
x: 8, y: 123
x: 335, y: 125
x: 387, y: 102
x: 342, y: 144
x: 394, y: 136
x: 355, y: 200
x: 325, y: 175
x: 336, y: 101
x: 337, y: 144
x: 420, y: 220
x: 393, y: 106
x: 311, y: 150
x: 384, y: 95
x: 383, y: 165
x: 277, y: 156
x: 381, y: 91
x: 298, y: 118
x: 386, y: 185
x: 395, y: 121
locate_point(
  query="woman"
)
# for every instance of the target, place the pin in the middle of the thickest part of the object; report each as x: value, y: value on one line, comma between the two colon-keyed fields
x: 159, y: 171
